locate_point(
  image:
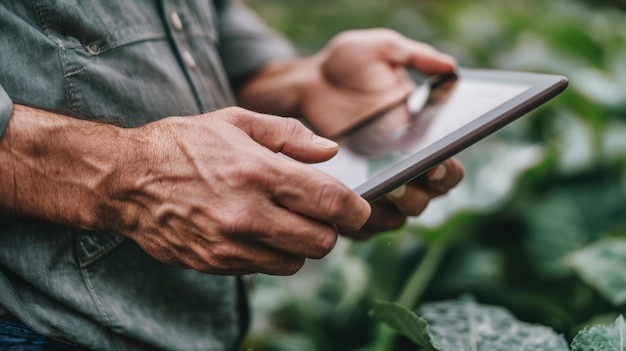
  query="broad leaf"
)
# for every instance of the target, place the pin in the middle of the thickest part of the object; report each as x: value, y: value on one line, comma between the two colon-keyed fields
x: 602, y: 337
x: 556, y: 227
x: 403, y: 321
x: 570, y: 216
x: 464, y: 325
x: 601, y: 265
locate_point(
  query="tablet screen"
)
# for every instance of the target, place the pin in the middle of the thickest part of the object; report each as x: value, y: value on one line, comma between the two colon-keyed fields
x: 394, y: 144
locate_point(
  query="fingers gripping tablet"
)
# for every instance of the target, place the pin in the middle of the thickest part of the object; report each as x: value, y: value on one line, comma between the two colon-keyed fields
x: 441, y: 117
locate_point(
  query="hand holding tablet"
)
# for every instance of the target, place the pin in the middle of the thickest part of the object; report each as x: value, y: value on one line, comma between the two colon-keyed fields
x: 440, y: 118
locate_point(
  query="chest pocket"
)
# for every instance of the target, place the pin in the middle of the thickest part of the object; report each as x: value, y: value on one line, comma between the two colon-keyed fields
x: 127, y: 62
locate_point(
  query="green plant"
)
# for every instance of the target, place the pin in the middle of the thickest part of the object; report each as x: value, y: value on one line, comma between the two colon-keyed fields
x: 537, y: 228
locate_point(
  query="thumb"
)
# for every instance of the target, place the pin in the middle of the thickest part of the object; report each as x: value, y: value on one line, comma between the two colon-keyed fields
x: 422, y: 56
x: 285, y: 135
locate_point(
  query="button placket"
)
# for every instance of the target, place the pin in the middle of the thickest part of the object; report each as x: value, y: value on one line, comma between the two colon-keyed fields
x: 188, y: 58
x: 177, y: 25
x: 180, y: 23
x: 175, y: 20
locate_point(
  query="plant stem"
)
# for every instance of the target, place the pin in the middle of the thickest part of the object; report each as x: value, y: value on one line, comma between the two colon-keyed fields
x: 413, y: 290
x: 417, y: 284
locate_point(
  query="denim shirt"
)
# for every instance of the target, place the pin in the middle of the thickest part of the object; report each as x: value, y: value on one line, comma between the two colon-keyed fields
x: 129, y: 63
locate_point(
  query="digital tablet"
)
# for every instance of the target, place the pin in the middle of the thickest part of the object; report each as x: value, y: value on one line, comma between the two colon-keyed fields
x: 441, y: 117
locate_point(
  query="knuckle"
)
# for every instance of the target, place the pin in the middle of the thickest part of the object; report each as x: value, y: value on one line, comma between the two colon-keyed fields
x: 426, y: 47
x: 250, y: 171
x: 236, y: 115
x: 414, y: 203
x: 325, y: 243
x: 243, y: 221
x: 227, y: 258
x: 385, y: 32
x: 365, y: 34
x: 385, y: 36
x: 235, y: 111
x: 351, y: 39
x: 333, y: 199
x: 292, y: 126
x: 222, y: 254
x: 343, y: 37
x: 257, y: 174
x: 213, y: 257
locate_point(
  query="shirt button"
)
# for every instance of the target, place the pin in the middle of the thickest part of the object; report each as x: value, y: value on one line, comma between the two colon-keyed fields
x: 93, y: 49
x: 176, y: 22
x: 188, y: 59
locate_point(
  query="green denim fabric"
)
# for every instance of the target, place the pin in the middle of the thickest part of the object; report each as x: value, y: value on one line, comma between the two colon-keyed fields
x: 128, y: 63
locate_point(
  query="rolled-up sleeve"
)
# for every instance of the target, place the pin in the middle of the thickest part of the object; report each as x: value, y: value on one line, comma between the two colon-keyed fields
x: 6, y: 108
x: 246, y: 43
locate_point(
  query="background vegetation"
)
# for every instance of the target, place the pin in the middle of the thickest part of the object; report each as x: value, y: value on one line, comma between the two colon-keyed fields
x: 538, y: 226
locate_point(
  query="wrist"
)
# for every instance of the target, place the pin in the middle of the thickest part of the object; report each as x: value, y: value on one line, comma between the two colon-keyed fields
x: 278, y: 88
x: 58, y: 169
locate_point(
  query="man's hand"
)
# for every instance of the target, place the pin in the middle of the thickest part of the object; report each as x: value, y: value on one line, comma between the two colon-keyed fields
x: 361, y: 73
x: 391, y: 211
x: 357, y: 74
x: 207, y: 192
x: 213, y: 195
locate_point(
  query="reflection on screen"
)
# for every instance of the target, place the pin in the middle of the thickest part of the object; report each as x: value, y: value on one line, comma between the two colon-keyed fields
x: 434, y: 110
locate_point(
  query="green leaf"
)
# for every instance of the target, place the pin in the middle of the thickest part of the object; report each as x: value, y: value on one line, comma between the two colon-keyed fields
x: 568, y: 216
x: 403, y: 321
x: 602, y: 337
x: 557, y: 227
x: 464, y: 325
x: 601, y: 265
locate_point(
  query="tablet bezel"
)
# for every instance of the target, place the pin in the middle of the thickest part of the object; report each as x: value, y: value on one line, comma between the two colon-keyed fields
x: 542, y: 88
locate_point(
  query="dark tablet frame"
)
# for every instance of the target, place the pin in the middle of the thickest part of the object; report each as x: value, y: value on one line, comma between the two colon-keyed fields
x: 543, y: 87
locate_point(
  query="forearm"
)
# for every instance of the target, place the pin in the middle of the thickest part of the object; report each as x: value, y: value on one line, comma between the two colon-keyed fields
x: 56, y: 168
x: 279, y: 86
x: 300, y: 88
x: 356, y: 75
x: 305, y: 88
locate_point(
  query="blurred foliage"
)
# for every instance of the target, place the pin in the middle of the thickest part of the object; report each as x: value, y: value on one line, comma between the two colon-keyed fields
x: 601, y: 337
x: 526, y: 229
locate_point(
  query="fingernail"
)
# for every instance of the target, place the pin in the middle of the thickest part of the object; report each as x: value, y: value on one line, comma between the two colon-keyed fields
x: 325, y: 143
x: 399, y: 192
x: 439, y: 173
